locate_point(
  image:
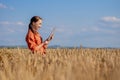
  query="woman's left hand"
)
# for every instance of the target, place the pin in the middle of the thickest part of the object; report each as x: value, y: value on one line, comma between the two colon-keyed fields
x: 46, y: 42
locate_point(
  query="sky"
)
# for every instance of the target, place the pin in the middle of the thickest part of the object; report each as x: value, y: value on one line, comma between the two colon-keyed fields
x: 88, y: 23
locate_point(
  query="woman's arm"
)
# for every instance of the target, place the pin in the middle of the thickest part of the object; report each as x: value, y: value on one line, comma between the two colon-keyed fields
x: 45, y: 43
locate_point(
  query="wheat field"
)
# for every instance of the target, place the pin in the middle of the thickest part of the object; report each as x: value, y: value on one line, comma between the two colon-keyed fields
x: 60, y: 64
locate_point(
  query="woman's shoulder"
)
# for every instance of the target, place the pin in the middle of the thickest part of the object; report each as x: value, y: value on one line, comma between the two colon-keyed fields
x: 30, y: 33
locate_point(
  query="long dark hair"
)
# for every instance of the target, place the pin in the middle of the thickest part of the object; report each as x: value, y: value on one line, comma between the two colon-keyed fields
x: 33, y: 19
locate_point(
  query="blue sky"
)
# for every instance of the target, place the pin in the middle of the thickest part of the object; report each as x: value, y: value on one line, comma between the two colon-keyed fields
x: 90, y: 23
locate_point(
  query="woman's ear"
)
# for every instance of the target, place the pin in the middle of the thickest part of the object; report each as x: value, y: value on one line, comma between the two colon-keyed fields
x: 33, y: 23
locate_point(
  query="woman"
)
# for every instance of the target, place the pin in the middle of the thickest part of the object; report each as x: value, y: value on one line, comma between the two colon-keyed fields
x: 34, y: 39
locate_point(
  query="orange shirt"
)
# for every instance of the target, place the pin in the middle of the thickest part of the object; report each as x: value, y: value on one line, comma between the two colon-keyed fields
x: 33, y: 40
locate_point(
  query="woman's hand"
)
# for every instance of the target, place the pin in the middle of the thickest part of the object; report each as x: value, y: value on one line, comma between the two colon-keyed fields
x: 46, y: 42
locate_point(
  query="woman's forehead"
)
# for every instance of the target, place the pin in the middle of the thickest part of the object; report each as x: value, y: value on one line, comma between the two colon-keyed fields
x: 39, y: 21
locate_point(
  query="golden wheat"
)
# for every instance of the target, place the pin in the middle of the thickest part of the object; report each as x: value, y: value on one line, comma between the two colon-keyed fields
x: 60, y: 64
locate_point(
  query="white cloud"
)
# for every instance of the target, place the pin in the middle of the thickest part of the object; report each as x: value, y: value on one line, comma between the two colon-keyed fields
x: 20, y: 23
x: 110, y: 19
x: 10, y: 27
x: 97, y: 29
x: 90, y: 29
x: 106, y: 25
x: 2, y: 5
x: 60, y: 30
x: 4, y: 23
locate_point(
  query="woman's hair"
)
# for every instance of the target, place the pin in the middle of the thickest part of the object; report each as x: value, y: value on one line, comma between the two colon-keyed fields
x: 34, y: 19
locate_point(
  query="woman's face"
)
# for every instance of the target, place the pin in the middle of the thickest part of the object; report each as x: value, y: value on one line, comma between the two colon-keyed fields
x: 37, y: 24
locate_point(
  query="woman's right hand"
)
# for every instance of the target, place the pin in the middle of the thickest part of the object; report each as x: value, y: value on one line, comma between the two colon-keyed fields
x: 46, y: 42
